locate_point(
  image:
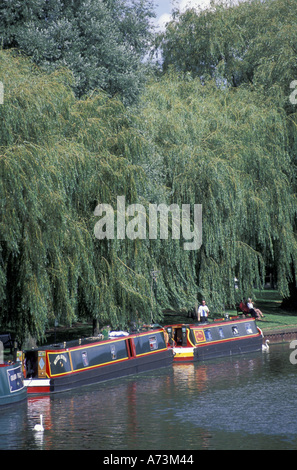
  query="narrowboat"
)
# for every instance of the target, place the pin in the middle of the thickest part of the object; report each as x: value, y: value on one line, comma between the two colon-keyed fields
x: 201, y: 341
x: 12, y: 388
x: 62, y: 367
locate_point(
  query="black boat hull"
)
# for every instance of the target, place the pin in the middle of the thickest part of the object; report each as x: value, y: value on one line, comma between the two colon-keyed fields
x: 232, y: 348
x: 112, y: 371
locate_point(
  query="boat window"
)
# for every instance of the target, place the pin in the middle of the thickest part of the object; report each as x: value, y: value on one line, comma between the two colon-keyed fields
x: 248, y: 329
x: 208, y: 335
x: 113, y: 351
x: 221, y: 333
x: 153, y: 343
x: 235, y: 330
x: 85, y: 359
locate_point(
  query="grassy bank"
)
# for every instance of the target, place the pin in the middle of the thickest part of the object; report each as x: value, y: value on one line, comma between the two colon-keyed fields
x: 276, y: 318
x: 268, y: 301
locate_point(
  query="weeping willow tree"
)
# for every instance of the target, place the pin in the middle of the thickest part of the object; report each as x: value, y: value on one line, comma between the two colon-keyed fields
x: 56, y: 163
x: 60, y: 158
x: 227, y: 150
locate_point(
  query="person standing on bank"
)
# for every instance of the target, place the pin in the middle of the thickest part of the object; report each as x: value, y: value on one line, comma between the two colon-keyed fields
x: 203, y: 312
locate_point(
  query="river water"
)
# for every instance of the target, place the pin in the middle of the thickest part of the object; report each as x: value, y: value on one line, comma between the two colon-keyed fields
x: 244, y: 402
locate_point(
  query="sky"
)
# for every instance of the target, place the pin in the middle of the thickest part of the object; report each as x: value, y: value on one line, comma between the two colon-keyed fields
x: 164, y: 8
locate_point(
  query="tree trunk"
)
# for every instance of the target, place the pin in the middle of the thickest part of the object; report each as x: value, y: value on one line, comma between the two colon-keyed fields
x: 95, y: 327
x: 290, y: 303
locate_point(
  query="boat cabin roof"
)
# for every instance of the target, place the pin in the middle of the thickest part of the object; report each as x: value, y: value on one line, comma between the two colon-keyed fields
x: 95, y: 339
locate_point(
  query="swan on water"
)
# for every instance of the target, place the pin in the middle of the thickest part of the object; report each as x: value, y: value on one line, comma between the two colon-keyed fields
x: 39, y: 427
x: 265, y: 347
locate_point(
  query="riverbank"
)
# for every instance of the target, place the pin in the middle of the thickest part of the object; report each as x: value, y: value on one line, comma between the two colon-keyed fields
x: 278, y: 325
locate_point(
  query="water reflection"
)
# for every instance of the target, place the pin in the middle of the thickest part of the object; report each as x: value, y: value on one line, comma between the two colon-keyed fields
x: 222, y: 373
x: 12, y: 425
x: 238, y: 402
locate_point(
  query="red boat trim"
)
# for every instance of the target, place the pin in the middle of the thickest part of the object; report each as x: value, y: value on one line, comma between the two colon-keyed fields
x: 183, y: 359
x: 38, y: 389
x: 37, y: 385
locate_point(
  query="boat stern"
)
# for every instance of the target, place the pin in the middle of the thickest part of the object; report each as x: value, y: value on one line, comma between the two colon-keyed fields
x: 184, y: 354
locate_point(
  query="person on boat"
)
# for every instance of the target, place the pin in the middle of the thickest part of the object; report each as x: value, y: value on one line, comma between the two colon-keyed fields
x: 203, y: 312
x: 255, y: 312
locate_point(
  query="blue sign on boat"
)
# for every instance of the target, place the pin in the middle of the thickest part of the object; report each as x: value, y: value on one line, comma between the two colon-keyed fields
x: 15, y: 379
x: 12, y: 387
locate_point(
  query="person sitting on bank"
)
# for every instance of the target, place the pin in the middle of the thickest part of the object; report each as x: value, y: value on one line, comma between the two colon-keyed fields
x: 255, y: 312
x: 203, y: 312
x: 243, y: 307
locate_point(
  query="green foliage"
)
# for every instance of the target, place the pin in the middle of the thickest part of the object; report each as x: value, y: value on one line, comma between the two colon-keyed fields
x: 252, y: 42
x: 227, y: 150
x: 101, y: 42
x: 216, y: 129
x: 60, y: 157
x: 36, y: 106
x: 52, y: 176
x: 249, y: 47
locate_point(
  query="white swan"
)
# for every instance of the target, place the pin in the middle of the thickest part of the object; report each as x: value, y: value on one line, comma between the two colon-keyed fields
x: 265, y: 347
x: 39, y: 427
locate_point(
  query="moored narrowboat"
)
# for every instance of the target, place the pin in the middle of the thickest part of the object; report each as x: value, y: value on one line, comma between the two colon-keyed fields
x: 70, y: 365
x: 201, y: 341
x: 12, y: 388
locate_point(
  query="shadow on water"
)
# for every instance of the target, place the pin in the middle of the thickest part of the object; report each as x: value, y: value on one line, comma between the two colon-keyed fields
x: 243, y: 402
